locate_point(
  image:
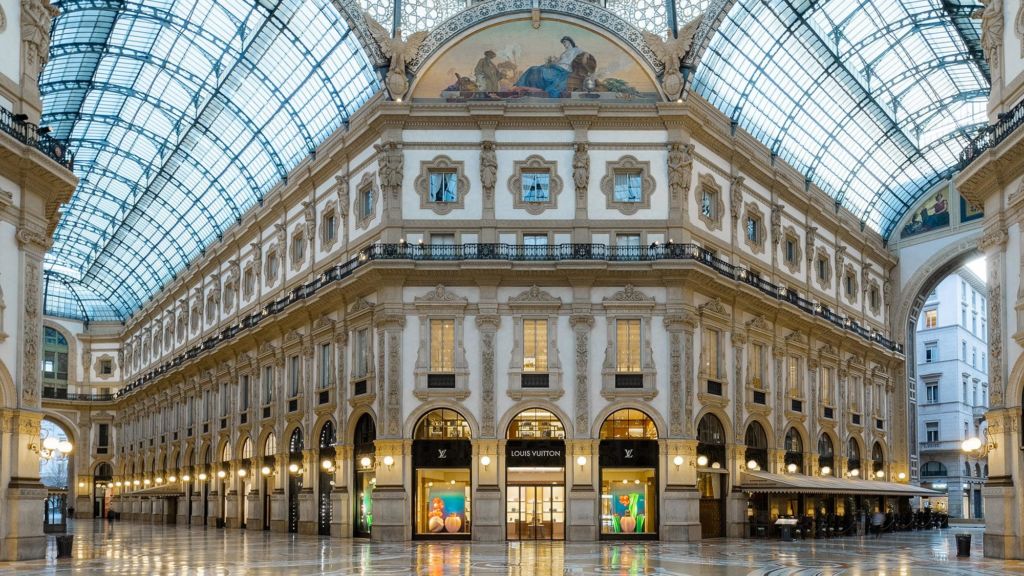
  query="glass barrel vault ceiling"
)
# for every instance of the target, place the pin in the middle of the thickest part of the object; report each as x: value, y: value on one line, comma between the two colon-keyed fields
x: 871, y: 99
x: 182, y: 114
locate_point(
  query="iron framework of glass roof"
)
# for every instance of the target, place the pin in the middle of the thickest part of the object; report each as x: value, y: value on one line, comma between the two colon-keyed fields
x: 872, y: 100
x: 182, y: 115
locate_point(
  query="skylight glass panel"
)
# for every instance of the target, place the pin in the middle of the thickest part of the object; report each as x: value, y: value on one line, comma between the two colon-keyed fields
x: 177, y: 128
x: 816, y: 82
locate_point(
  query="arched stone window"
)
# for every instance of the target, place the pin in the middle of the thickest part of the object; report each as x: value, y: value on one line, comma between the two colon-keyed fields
x: 757, y: 447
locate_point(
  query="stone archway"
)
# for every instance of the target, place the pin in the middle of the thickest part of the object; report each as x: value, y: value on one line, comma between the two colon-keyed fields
x: 913, y: 294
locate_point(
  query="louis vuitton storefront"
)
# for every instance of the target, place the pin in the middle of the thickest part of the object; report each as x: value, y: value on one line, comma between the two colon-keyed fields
x: 629, y: 476
x: 535, y: 477
x: 442, y: 456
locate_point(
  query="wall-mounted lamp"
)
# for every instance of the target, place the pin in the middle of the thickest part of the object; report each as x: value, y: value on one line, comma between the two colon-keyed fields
x: 221, y: 474
x: 678, y: 461
x: 172, y: 478
x: 136, y: 482
x: 81, y: 484
x: 265, y: 470
x: 826, y: 471
x: 327, y: 465
x: 159, y: 479
x: 186, y: 478
x: 702, y: 461
x: 901, y: 476
x: 202, y: 476
x: 293, y: 468
x: 242, y: 472
x: 974, y: 446
x: 879, y: 474
x: 118, y: 483
x: 365, y: 462
x: 581, y: 461
x: 855, y: 472
x: 753, y: 465
x: 146, y: 482
x: 485, y: 461
x: 791, y: 468
x: 389, y: 461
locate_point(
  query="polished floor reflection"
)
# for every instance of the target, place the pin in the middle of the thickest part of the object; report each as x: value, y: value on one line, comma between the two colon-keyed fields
x: 130, y: 548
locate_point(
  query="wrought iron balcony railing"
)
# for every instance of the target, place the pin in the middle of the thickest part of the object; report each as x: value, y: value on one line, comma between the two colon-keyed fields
x: 61, y: 394
x: 30, y: 134
x: 992, y: 135
x: 520, y: 253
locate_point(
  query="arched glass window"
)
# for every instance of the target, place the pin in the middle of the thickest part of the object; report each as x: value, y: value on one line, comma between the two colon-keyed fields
x: 295, y: 443
x: 365, y: 432
x: 794, y: 457
x: 55, y: 364
x: 628, y: 424
x: 53, y: 471
x: 967, y: 469
x: 933, y: 469
x: 853, y: 457
x: 247, y: 449
x: 878, y: 460
x: 442, y: 424
x: 327, y: 436
x: 711, y: 441
x: 757, y: 446
x: 826, y: 456
x: 536, y: 424
x: 977, y: 470
x: 225, y: 452
x: 270, y: 445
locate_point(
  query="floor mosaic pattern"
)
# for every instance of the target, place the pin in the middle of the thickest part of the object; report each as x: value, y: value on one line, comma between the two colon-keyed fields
x: 142, y: 549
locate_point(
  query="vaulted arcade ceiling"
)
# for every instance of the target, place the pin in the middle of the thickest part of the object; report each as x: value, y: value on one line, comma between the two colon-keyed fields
x: 183, y: 113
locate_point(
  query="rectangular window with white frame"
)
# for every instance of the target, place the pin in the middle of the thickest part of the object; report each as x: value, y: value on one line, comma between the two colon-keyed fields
x: 931, y: 352
x: 713, y: 351
x: 932, y: 392
x: 535, y: 345
x: 931, y: 431
x: 442, y: 346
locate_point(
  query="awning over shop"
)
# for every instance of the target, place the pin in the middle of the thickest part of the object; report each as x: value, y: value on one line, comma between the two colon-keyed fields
x: 765, y: 482
x: 160, y: 491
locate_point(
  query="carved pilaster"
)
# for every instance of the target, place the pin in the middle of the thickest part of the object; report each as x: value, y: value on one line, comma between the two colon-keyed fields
x: 688, y: 378
x: 32, y: 322
x: 581, y: 325
x: 488, y: 326
x: 675, y: 324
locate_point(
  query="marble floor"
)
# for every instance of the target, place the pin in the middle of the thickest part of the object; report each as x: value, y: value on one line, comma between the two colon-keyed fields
x: 142, y: 549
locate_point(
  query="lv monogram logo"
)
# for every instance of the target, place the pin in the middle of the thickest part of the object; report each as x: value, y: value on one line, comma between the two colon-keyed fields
x: 629, y: 453
x: 442, y: 453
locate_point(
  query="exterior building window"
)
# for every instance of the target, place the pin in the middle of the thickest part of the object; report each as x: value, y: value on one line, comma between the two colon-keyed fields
x: 627, y: 345
x: 329, y: 225
x: 268, y: 385
x: 823, y: 269
x: 298, y: 248
x: 848, y: 282
x: 249, y: 282
x: 293, y: 376
x: 535, y: 187
x: 974, y: 324
x: 444, y: 186
x: 628, y: 186
x: 931, y: 431
x: 932, y: 392
x: 713, y: 349
x: 984, y: 362
x: 790, y: 250
x: 442, y: 346
x: 103, y: 438
x: 366, y: 203
x: 272, y: 266
x: 535, y: 246
x: 827, y: 384
x: 974, y: 357
x: 535, y: 345
x: 243, y: 396
x: 963, y: 316
x: 756, y: 365
x: 55, y: 363
x: 963, y: 351
x: 873, y: 298
x: 931, y: 352
x: 794, y: 373
x: 709, y: 204
x: 325, y: 365
x: 753, y: 230
x: 964, y: 388
x: 106, y: 367
x: 628, y: 246
x: 931, y: 318
x: 361, y: 351
x: 963, y: 291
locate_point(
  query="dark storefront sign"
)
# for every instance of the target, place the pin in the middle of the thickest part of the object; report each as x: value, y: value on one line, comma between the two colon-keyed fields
x: 442, y: 453
x: 535, y: 453
x: 629, y: 453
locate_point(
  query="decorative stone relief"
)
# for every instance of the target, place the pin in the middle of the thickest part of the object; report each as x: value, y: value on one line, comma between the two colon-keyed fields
x: 736, y: 197
x: 689, y: 379
x: 36, y: 21
x: 399, y: 52
x: 581, y: 324
x: 581, y: 170
x: 627, y: 164
x: 488, y: 168
x: 31, y: 335
x: 488, y: 325
x: 671, y: 53
x: 422, y: 185
x: 534, y: 164
x: 341, y: 189
x: 390, y: 167
x: 3, y: 310
x: 992, y: 36
x: 680, y: 170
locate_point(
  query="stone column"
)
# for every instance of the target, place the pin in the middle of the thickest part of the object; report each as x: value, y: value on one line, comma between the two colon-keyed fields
x: 279, y: 496
x: 680, y: 508
x: 1002, y: 496
x: 308, y: 513
x: 582, y: 506
x: 392, y: 513
x: 341, y: 503
x: 488, y: 505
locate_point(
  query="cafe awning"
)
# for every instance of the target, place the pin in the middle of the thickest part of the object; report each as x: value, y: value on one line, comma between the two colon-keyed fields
x: 765, y: 482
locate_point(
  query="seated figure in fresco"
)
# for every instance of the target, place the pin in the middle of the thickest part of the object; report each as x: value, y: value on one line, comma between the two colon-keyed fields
x: 561, y: 74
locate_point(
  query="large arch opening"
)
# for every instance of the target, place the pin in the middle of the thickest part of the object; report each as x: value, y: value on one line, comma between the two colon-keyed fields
x: 535, y: 476
x: 442, y: 459
x: 628, y: 461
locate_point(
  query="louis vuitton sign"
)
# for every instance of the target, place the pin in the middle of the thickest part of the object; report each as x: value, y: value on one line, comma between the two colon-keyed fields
x: 442, y: 453
x: 535, y: 453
